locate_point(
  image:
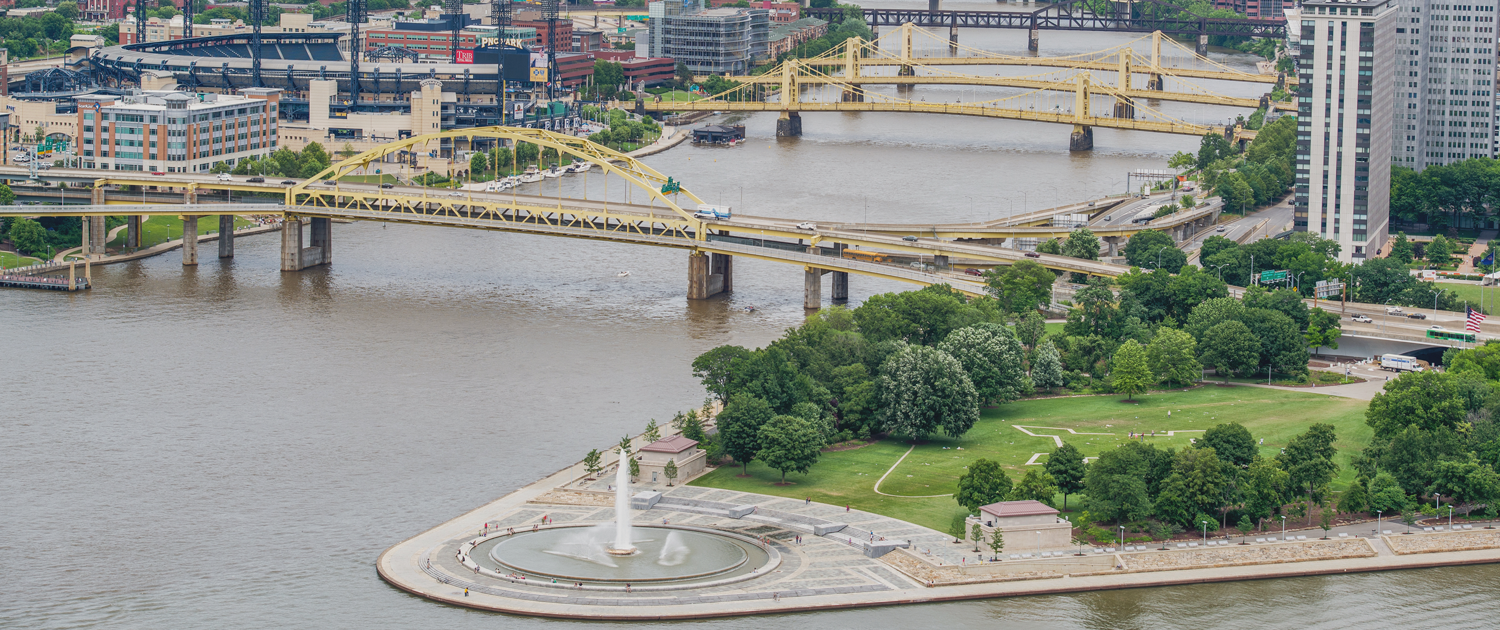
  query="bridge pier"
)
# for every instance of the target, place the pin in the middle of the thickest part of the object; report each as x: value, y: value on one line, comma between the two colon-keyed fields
x: 95, y: 235
x: 940, y: 261
x: 722, y: 265
x: 840, y: 287
x: 295, y: 257
x: 789, y: 125
x: 1202, y: 48
x: 189, y: 240
x: 855, y: 94
x: 906, y: 71
x: 226, y: 236
x: 1082, y: 138
x: 934, y: 5
x: 703, y: 283
x: 133, y: 232
x: 1154, y: 82
x: 1124, y: 108
x: 952, y: 38
x: 1034, y: 39
x: 812, y: 288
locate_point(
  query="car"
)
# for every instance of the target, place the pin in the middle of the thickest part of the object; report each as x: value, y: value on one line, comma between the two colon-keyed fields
x: 388, y: 185
x: 807, y: 225
x: 256, y: 180
x: 1394, y: 310
x: 909, y: 239
x: 973, y: 272
x: 1361, y: 319
x: 224, y: 177
x: 1033, y: 255
x: 1109, y: 218
x: 288, y: 182
x: 1221, y: 229
x: 330, y: 182
x: 1435, y: 327
x: 455, y: 194
x: 1416, y: 316
x: 158, y: 173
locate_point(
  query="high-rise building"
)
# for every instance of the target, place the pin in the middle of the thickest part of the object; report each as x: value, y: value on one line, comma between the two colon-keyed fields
x: 713, y: 41
x: 1345, y: 101
x: 1445, y: 82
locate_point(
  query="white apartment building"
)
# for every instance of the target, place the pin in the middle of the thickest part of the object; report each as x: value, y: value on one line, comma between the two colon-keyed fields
x: 176, y: 132
x: 1445, y: 82
x: 1345, y: 104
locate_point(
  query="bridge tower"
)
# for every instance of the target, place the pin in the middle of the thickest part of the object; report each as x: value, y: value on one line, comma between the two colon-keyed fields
x: 952, y: 33
x: 1033, y: 36
x: 1124, y: 107
x: 907, y: 35
x: 855, y: 93
x: 789, y: 125
x: 1154, y: 80
x: 1083, y: 135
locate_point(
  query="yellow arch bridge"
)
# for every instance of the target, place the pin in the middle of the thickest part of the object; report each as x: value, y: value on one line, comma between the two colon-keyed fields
x: 648, y: 209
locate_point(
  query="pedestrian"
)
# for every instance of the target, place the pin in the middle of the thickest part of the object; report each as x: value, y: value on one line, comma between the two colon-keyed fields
x: 466, y: 592
x: 627, y: 587
x: 846, y: 507
x: 808, y: 502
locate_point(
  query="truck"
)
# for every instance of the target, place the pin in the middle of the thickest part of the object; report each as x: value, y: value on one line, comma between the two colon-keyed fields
x: 1401, y: 363
x: 717, y: 213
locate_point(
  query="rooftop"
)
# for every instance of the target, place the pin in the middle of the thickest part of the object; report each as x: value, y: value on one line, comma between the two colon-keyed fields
x: 674, y: 444
x: 1019, y: 508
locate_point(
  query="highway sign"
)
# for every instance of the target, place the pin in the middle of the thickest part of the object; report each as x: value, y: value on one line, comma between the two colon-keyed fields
x: 1272, y: 276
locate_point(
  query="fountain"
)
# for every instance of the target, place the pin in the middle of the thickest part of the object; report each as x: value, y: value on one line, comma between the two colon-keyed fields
x: 611, y: 553
x: 623, y: 546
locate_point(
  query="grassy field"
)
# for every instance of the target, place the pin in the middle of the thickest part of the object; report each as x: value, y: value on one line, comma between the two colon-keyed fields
x: 1472, y: 294
x: 1101, y: 422
x: 157, y: 229
x: 384, y: 178
x: 9, y: 260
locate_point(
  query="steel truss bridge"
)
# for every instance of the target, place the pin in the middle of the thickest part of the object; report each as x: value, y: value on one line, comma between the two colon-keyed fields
x: 648, y: 216
x: 1138, y: 16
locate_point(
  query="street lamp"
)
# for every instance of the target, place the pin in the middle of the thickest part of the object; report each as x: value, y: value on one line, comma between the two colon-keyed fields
x: 1205, y: 532
x: 1450, y: 517
x: 1283, y: 527
x: 1038, y: 544
x: 1220, y: 270
x: 1122, y: 537
x: 1377, y: 523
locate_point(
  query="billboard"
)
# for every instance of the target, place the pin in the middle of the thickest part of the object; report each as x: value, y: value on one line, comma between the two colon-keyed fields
x: 465, y: 56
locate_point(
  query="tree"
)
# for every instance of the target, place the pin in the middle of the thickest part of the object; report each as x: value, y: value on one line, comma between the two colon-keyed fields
x: 789, y: 443
x: 1427, y: 400
x: 1213, y: 148
x: 1264, y: 487
x: 992, y: 359
x: 1142, y: 249
x: 1172, y: 357
x: 1245, y: 527
x: 924, y: 316
x: 1323, y: 329
x: 1386, y: 494
x: 1439, y: 250
x: 1117, y: 483
x: 713, y: 369
x: 1035, y: 485
x: 997, y: 542
x: 68, y: 10
x: 652, y: 433
x: 1129, y: 373
x: 982, y: 484
x: 1401, y: 249
x: 1308, y: 460
x: 1230, y: 348
x: 1236, y: 192
x: 7, y: 196
x: 683, y: 75
x: 1030, y: 327
x: 591, y: 462
x: 28, y: 236
x: 1232, y: 442
x: 925, y: 390
x: 1023, y: 286
x: 478, y: 165
x: 1195, y: 486
x: 1081, y: 243
x: 1356, y: 499
x: 1325, y: 521
x: 1066, y: 467
x: 976, y: 532
x: 1467, y: 480
x: 670, y: 472
x: 1046, y: 369
x: 739, y: 428
x: 1212, y: 313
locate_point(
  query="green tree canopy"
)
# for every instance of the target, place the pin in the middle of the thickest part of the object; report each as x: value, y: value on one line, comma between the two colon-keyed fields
x: 1173, y: 357
x: 1232, y: 442
x: 739, y: 426
x: 1130, y: 374
x: 1229, y: 348
x: 789, y: 444
x: 924, y: 391
x: 992, y: 357
x: 982, y: 484
x: 1195, y: 486
x: 1021, y: 287
x: 1035, y: 485
x: 1046, y: 369
x: 1066, y: 467
x: 1143, y: 249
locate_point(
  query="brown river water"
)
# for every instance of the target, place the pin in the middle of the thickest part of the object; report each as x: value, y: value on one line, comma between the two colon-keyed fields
x: 231, y: 447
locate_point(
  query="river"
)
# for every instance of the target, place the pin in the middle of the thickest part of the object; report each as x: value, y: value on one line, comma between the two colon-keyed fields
x: 231, y: 447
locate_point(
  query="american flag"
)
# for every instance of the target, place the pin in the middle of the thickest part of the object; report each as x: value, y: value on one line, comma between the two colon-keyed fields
x: 1471, y: 324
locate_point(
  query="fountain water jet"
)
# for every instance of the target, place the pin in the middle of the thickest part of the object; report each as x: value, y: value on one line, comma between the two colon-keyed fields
x: 623, y: 546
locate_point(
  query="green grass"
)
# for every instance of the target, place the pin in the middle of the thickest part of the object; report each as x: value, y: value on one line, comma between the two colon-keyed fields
x: 9, y: 260
x: 156, y: 229
x: 383, y: 178
x: 1472, y: 294
x: 933, y: 468
x: 679, y: 95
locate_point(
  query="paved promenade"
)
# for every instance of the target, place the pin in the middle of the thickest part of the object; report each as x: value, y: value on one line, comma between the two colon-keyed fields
x: 848, y: 558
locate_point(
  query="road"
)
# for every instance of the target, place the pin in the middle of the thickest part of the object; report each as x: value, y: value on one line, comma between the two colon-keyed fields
x: 1257, y: 225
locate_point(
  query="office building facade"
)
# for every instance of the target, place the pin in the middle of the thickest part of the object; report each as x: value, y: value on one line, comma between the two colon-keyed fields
x: 176, y: 132
x: 1345, y: 102
x: 1445, y: 82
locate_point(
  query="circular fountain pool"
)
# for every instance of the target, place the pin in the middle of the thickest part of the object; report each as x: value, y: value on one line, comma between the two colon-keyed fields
x: 663, y: 554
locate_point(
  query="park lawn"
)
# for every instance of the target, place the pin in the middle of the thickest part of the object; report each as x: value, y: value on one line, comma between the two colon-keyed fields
x: 679, y: 95
x: 1473, y: 294
x: 933, y: 467
x: 155, y: 229
x: 9, y: 260
x: 383, y: 178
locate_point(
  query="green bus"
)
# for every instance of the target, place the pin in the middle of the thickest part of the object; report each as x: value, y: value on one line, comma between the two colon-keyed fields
x: 1446, y: 335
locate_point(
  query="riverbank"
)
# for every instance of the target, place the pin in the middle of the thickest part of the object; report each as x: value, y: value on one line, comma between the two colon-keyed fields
x: 865, y: 560
x: 162, y: 248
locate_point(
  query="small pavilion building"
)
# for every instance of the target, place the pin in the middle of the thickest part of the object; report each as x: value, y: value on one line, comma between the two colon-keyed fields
x: 1027, y: 525
x: 653, y: 458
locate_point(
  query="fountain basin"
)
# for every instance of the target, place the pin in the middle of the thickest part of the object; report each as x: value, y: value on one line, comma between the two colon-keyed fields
x: 663, y: 554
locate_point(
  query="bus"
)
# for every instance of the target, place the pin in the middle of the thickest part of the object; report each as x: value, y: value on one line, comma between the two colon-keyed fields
x: 1448, y: 335
x: 854, y: 254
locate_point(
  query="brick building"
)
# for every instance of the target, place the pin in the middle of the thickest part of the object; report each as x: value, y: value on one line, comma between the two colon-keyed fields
x: 176, y: 132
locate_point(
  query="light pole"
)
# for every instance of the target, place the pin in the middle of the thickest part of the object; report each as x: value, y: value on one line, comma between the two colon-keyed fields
x: 1205, y: 532
x: 1387, y: 313
x: 1435, y: 294
x: 1220, y: 269
x: 1038, y: 544
x: 1377, y: 524
x: 1450, y: 517
x: 1122, y: 537
x: 1283, y: 527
